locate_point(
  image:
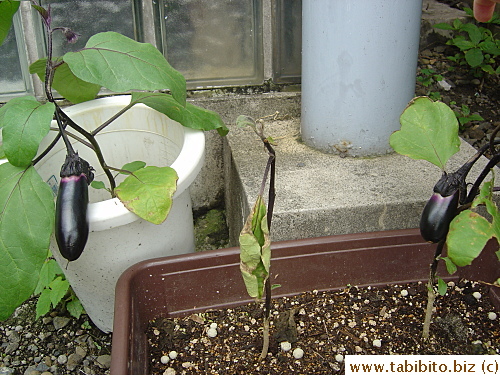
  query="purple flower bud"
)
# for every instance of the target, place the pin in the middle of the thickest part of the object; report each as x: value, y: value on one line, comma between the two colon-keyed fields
x: 70, y: 35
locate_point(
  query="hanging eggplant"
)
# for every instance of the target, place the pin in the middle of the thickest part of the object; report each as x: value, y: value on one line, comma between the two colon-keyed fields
x: 72, y: 227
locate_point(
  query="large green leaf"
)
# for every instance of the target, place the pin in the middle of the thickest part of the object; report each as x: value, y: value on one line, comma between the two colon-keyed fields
x: 148, y: 192
x: 469, y: 232
x: 66, y: 83
x: 189, y: 115
x: 429, y: 131
x: 25, y: 122
x: 7, y: 11
x: 26, y: 223
x: 121, y: 64
x: 255, y: 250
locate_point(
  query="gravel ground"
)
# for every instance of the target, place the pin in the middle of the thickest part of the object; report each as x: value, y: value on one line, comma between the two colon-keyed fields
x: 56, y: 344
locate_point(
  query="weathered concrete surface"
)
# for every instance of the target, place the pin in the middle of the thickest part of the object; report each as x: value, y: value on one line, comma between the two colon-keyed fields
x: 321, y: 194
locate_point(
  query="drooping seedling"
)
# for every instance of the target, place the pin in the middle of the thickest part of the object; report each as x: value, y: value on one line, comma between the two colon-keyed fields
x: 255, y: 242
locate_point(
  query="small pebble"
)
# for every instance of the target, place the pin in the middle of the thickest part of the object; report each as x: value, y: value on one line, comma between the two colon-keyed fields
x: 213, y: 325
x: 377, y: 343
x: 169, y: 371
x: 492, y: 315
x: 62, y: 359
x: 339, y: 358
x: 404, y: 293
x: 211, y: 332
x: 172, y: 354
x: 285, y: 346
x: 165, y: 359
x: 298, y: 353
x: 477, y: 295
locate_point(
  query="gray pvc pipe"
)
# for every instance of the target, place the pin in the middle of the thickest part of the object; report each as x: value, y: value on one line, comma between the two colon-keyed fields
x: 359, y: 61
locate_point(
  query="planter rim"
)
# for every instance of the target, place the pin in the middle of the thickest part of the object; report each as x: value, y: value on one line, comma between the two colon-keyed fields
x: 191, y: 283
x: 193, y: 149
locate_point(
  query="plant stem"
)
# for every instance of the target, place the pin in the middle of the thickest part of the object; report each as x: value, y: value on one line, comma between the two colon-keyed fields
x: 431, y: 294
x: 475, y: 188
x: 113, y: 118
x: 97, y: 148
x: 265, y: 344
x: 271, y: 166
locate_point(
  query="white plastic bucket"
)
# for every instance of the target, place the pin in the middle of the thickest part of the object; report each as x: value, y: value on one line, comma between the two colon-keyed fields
x: 119, y: 238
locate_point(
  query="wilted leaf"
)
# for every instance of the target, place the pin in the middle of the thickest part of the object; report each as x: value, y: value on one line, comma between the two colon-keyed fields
x: 429, y: 131
x: 255, y: 250
x: 148, y: 192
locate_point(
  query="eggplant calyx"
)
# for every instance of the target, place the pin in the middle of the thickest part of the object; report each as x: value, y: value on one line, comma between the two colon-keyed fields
x: 76, y: 166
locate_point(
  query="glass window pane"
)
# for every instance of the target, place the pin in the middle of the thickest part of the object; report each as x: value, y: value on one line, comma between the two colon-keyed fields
x: 11, y: 75
x: 216, y: 42
x: 88, y: 18
x: 287, y: 61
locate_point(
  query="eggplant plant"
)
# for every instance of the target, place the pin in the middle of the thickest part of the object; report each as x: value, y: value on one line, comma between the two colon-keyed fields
x: 255, y: 242
x: 28, y: 214
x: 429, y: 131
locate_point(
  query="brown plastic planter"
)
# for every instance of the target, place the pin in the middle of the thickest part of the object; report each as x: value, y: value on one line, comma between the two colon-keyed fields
x: 181, y: 285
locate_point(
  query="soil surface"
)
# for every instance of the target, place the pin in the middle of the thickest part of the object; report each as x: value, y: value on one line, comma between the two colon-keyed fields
x: 326, y: 326
x: 59, y: 344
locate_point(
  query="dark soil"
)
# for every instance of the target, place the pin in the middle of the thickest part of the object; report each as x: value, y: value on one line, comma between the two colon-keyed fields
x: 327, y: 326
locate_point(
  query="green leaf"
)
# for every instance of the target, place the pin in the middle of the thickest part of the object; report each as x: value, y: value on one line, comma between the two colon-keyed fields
x: 443, y: 26
x: 474, y: 57
x: 43, y: 303
x: 255, y: 250
x: 58, y: 289
x: 66, y: 83
x: 134, y: 166
x: 26, y: 223
x: 121, y: 64
x: 469, y: 232
x: 48, y: 273
x: 490, y: 46
x: 189, y: 115
x: 98, y: 184
x: 462, y: 43
x: 429, y: 131
x: 7, y: 11
x: 75, y: 307
x: 457, y: 24
x: 442, y: 286
x: 25, y: 122
x: 450, y: 266
x: 474, y: 32
x: 148, y: 193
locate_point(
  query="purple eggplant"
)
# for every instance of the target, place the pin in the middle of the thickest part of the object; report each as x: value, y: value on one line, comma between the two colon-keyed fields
x: 437, y: 216
x: 72, y: 227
